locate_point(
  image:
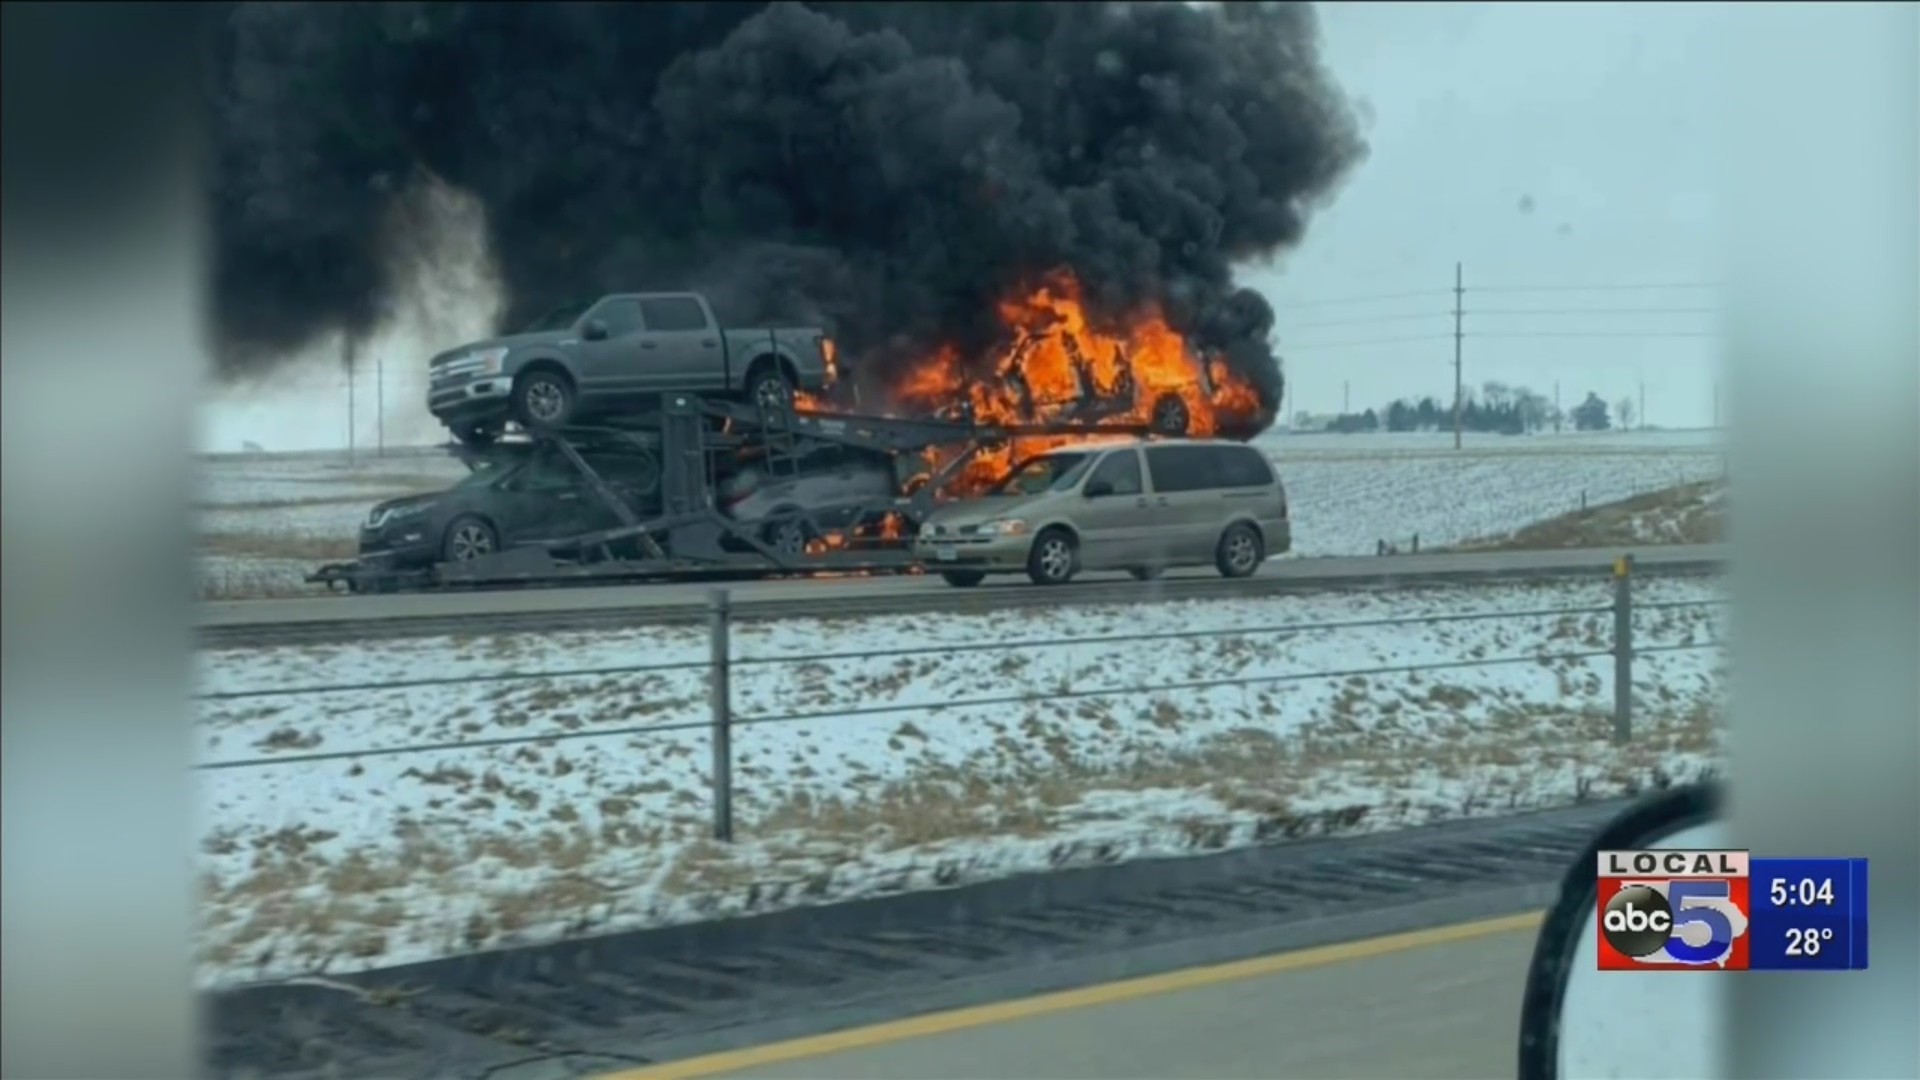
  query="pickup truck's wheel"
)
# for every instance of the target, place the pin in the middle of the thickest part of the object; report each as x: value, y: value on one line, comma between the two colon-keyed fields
x: 768, y: 386
x: 1054, y: 558
x: 469, y: 537
x: 1240, y: 552
x: 542, y: 399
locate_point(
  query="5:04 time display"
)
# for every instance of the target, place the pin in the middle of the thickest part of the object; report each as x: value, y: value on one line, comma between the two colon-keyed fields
x: 1801, y: 892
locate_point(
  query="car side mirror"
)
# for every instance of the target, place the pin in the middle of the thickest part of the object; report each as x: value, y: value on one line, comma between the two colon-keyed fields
x: 1578, y: 1022
x: 595, y: 330
x: 1097, y: 488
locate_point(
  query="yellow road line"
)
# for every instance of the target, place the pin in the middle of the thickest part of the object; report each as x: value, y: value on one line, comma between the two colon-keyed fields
x: 1104, y: 994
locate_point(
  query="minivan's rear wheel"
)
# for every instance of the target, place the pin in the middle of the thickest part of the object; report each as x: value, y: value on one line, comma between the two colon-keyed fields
x: 963, y: 579
x: 1240, y: 552
x: 1054, y: 558
x: 543, y: 399
x: 469, y: 538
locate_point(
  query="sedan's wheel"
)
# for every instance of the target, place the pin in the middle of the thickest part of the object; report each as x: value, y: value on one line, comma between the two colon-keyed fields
x: 788, y: 538
x: 469, y: 538
x: 963, y: 579
x: 1240, y: 552
x: 1053, y: 559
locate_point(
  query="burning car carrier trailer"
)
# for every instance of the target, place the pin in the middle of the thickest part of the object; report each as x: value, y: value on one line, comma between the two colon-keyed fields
x: 660, y: 517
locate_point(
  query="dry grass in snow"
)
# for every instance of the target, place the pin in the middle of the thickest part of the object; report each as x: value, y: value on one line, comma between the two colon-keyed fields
x: 379, y: 859
x: 1686, y: 514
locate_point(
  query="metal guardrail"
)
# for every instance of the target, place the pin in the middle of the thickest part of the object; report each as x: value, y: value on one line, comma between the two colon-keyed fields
x: 723, y: 719
x: 324, y: 620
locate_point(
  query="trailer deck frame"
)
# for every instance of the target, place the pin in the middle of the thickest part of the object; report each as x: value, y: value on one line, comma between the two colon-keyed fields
x: 688, y: 535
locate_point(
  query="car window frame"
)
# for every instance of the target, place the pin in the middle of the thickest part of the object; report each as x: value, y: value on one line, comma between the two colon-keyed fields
x: 646, y: 323
x: 1128, y: 453
x: 599, y: 310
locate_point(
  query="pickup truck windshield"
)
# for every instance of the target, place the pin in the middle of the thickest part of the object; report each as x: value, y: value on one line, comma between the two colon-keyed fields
x: 559, y: 318
x: 1053, y: 472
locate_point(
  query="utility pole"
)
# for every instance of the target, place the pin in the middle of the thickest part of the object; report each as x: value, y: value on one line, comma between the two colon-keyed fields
x: 1346, y: 397
x: 1556, y: 405
x: 380, y: 404
x: 347, y: 356
x: 1458, y: 293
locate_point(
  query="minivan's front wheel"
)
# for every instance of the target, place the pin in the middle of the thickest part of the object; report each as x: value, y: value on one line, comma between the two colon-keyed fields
x: 1054, y: 558
x: 963, y: 579
x: 1240, y: 552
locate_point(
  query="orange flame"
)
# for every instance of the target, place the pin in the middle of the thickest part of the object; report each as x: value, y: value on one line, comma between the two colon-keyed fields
x: 1058, y: 366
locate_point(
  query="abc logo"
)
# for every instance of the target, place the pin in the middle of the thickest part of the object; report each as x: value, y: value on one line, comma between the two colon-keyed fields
x: 1638, y: 921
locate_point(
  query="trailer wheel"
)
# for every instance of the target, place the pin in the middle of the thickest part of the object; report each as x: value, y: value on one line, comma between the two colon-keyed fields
x: 469, y: 537
x: 542, y: 398
x: 1054, y: 557
x: 1170, y: 415
x: 963, y: 579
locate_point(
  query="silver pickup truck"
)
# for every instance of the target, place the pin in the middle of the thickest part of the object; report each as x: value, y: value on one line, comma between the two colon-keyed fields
x: 590, y: 358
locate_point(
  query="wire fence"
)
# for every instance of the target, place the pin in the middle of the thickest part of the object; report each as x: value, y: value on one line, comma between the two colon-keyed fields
x: 723, y: 718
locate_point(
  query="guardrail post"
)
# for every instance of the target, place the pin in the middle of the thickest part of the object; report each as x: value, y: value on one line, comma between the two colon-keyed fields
x: 720, y: 693
x: 1623, y: 649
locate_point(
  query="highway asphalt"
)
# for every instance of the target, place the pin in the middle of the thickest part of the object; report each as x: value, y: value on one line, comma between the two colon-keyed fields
x: 846, y: 594
x: 1430, y: 1004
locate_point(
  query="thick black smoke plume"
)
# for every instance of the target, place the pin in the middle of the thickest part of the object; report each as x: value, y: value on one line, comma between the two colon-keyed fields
x: 889, y: 169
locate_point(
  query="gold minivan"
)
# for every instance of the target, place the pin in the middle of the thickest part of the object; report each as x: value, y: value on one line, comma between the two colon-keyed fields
x: 1143, y: 507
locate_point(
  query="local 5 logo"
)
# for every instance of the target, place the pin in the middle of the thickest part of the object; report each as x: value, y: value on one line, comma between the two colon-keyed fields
x: 1683, y: 924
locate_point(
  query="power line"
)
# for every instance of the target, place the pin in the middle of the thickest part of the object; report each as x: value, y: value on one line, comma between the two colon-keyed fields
x: 1591, y: 288
x: 1371, y: 341
x: 1592, y: 311
x: 1603, y: 334
x: 1360, y: 299
x: 1370, y: 321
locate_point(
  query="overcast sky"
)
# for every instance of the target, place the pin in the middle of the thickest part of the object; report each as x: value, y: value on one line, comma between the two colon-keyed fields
x: 1542, y: 146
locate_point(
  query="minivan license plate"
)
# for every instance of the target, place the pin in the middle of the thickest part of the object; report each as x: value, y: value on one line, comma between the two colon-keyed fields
x: 946, y: 553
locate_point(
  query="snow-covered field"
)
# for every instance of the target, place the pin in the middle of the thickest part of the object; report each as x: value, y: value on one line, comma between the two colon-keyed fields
x: 266, y: 521
x: 991, y: 753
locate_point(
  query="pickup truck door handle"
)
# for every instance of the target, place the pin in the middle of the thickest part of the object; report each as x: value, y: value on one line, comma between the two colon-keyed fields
x: 709, y: 343
x: 1161, y: 501
x: 1141, y: 501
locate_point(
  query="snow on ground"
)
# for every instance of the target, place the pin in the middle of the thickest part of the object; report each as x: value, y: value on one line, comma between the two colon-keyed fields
x: 267, y: 520
x: 869, y: 772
